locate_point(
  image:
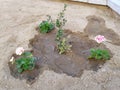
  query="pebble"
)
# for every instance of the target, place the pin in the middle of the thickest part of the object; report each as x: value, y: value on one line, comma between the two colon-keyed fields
x: 6, y: 86
x: 86, y: 85
x: 28, y: 85
x: 5, y: 77
x: 114, y: 73
x: 103, y: 70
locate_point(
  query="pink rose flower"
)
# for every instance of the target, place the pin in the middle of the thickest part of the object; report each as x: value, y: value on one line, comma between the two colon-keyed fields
x: 19, y: 51
x: 100, y: 39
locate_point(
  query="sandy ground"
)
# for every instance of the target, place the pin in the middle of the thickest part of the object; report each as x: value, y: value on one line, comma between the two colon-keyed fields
x: 18, y: 20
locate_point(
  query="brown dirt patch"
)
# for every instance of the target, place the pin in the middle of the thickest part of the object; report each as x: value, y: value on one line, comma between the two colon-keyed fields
x: 72, y: 63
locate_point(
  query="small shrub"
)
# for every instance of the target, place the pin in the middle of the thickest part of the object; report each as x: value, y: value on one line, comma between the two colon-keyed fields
x: 99, y: 54
x: 46, y: 26
x: 25, y: 62
x: 62, y: 45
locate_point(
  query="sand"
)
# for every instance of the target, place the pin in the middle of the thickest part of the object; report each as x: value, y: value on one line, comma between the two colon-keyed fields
x: 19, y: 19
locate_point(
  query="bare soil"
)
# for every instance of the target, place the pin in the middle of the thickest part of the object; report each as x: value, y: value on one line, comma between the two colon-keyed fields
x: 19, y: 18
x: 72, y: 63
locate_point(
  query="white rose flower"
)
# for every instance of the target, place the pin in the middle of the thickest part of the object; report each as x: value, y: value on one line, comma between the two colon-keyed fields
x: 19, y: 51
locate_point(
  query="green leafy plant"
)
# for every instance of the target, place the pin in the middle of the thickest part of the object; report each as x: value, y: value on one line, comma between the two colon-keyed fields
x: 99, y: 54
x: 63, y: 47
x: 46, y: 26
x: 25, y: 62
x: 59, y: 35
x: 60, y: 22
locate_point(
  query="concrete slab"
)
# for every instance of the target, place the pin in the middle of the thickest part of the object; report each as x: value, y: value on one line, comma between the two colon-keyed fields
x: 81, y: 0
x: 115, y: 5
x: 101, y: 2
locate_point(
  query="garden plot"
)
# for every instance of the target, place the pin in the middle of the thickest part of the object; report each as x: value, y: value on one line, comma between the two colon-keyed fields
x: 88, y: 28
x: 62, y: 51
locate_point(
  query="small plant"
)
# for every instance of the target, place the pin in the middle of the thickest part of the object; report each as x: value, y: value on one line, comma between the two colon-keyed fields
x: 46, y: 26
x: 63, y: 47
x: 99, y: 54
x: 60, y: 22
x: 59, y: 35
x: 25, y: 62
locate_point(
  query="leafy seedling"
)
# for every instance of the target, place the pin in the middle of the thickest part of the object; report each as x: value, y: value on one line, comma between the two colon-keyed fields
x: 99, y: 54
x: 25, y: 62
x: 46, y: 26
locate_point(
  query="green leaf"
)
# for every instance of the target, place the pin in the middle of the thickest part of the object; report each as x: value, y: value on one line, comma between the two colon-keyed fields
x: 31, y: 66
x: 20, y: 70
x: 27, y: 54
x: 46, y: 26
x: 25, y: 62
